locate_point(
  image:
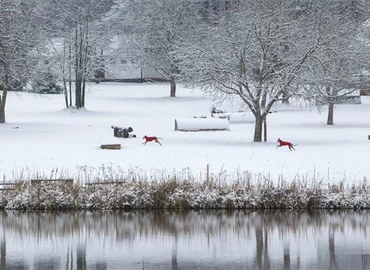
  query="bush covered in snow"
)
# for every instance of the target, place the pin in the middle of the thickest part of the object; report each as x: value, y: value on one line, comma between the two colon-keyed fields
x: 107, y: 189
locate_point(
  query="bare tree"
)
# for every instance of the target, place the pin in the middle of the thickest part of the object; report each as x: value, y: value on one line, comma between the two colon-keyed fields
x: 150, y: 30
x: 257, y: 51
x: 18, y: 42
x: 78, y: 32
x: 336, y: 71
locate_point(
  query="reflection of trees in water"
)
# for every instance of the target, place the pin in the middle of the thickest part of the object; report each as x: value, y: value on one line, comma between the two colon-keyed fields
x: 332, y: 249
x: 128, y: 225
x: 3, y: 252
x: 254, y: 226
x: 81, y: 257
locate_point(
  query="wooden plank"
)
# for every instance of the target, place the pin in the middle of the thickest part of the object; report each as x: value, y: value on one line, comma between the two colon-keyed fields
x: 69, y: 180
x: 111, y: 146
x: 10, y: 183
x: 103, y: 183
x: 5, y: 189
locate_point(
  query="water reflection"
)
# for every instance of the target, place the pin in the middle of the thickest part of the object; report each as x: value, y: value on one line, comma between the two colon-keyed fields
x: 185, y: 240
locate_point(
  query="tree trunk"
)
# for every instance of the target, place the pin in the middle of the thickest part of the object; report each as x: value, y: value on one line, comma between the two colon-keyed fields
x: 2, y: 112
x: 78, y: 92
x: 64, y: 76
x: 83, y: 92
x: 70, y: 70
x: 79, y: 67
x: 258, y: 128
x: 265, y: 129
x: 77, y: 71
x: 173, y: 87
x: 330, y: 120
x: 84, y: 59
x: 65, y: 91
x: 264, y: 99
x: 332, y: 93
x: 2, y: 104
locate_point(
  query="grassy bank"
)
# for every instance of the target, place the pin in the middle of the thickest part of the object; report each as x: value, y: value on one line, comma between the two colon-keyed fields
x: 135, y: 190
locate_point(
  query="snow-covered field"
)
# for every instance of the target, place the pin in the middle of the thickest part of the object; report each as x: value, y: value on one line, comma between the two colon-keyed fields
x: 41, y: 137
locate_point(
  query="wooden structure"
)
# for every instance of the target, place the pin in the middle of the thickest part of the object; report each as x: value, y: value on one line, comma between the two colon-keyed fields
x: 111, y: 146
x: 8, y: 185
x: 105, y: 183
x: 68, y: 181
x: 11, y: 185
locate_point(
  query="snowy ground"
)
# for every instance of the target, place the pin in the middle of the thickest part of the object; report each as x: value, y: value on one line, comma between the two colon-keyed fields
x: 41, y: 137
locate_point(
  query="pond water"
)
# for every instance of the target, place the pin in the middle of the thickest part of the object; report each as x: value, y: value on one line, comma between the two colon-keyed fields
x: 185, y: 240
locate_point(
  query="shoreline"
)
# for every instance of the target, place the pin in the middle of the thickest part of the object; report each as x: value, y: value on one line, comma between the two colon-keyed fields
x: 172, y: 192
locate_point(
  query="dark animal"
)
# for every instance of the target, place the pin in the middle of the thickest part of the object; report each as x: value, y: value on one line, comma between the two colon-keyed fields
x: 150, y: 139
x: 285, y: 143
